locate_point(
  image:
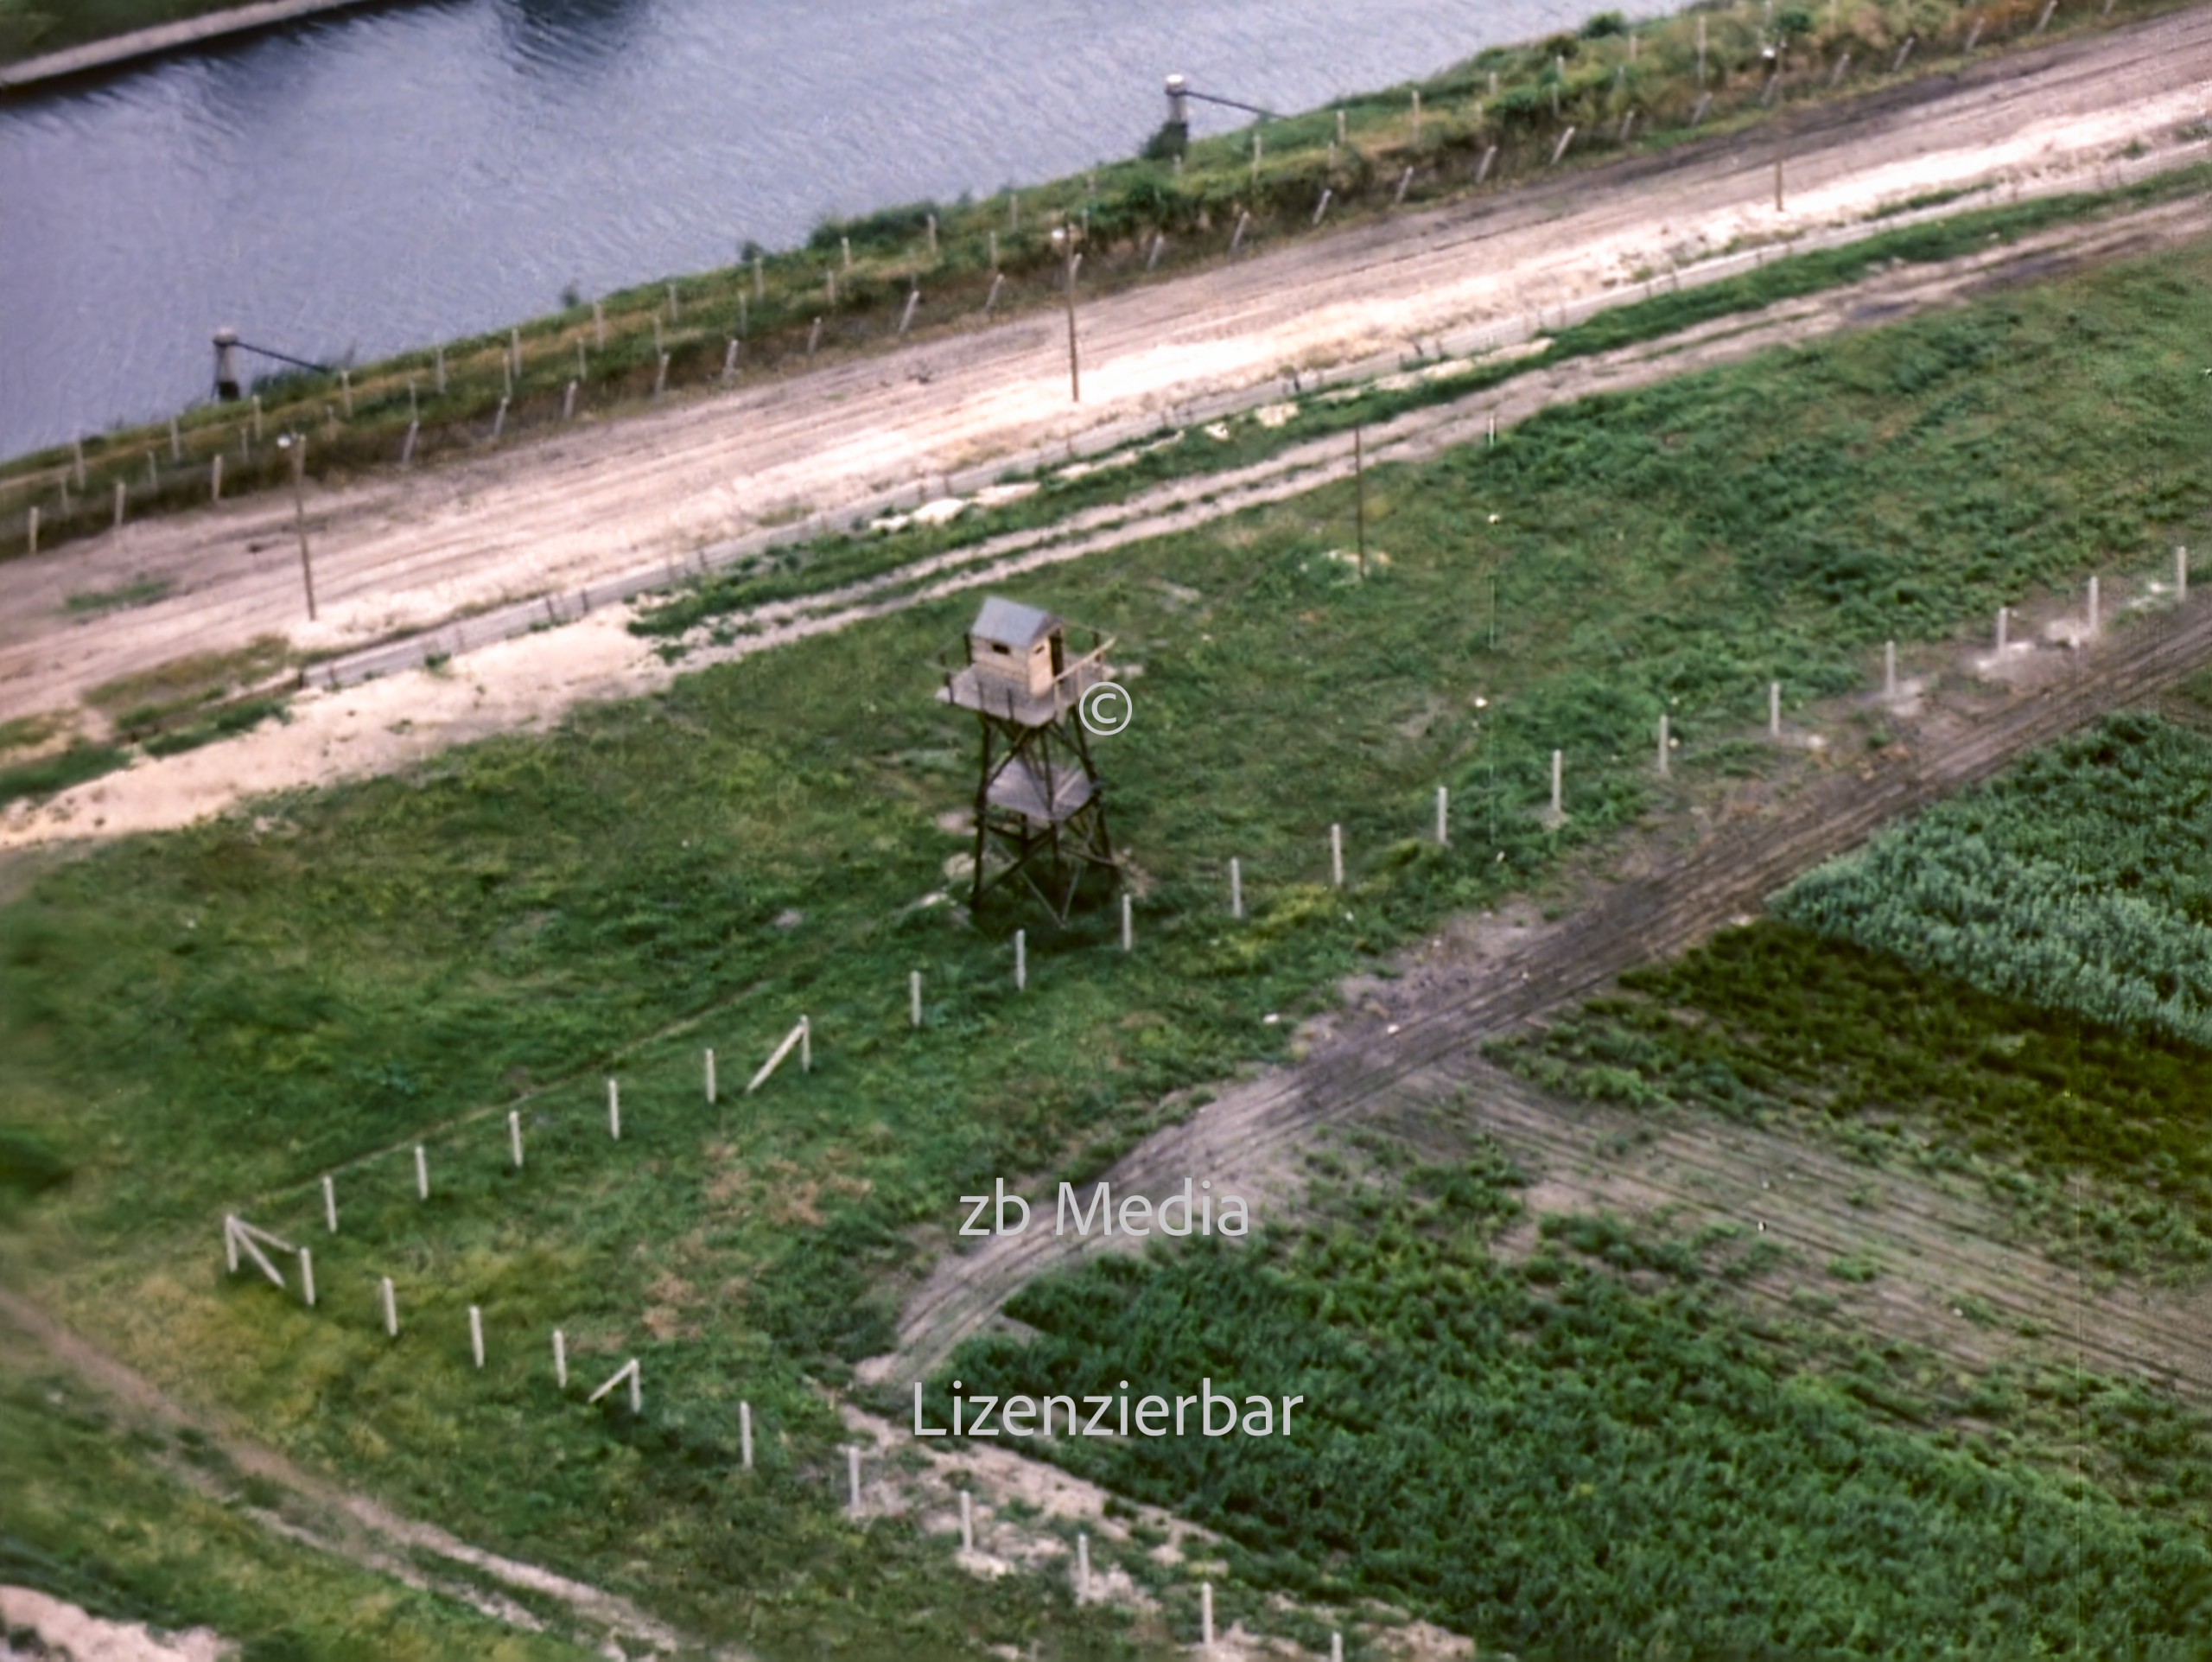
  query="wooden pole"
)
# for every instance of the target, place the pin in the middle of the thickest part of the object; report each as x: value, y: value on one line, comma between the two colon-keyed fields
x: 1360, y: 490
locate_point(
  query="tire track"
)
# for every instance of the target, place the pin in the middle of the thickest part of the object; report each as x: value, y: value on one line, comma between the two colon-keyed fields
x: 1252, y: 1132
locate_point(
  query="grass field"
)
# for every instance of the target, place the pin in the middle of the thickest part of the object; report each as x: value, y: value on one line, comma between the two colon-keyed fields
x: 138, y: 1525
x: 2007, y: 985
x: 1593, y: 1452
x: 212, y: 1019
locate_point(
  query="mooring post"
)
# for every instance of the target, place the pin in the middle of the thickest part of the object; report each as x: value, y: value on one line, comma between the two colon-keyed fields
x: 744, y: 1435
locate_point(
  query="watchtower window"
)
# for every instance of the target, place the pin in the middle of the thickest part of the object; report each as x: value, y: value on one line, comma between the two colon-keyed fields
x: 1004, y: 651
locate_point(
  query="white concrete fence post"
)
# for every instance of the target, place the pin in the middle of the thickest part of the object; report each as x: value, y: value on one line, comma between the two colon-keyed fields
x: 1235, y: 887
x: 330, y: 1204
x: 1020, y: 961
x: 967, y: 1521
x: 560, y: 1358
x: 915, y: 997
x: 744, y: 1435
x: 1664, y: 744
x: 390, y: 1310
x: 713, y: 1091
x: 1336, y: 855
x: 1559, y: 781
x: 1890, y: 671
x: 1774, y: 710
x: 853, y: 1479
x: 422, y: 1173
x: 307, y: 1277
x: 514, y: 1137
x: 476, y: 1334
x: 614, y: 1110
x: 2095, y: 619
x: 1443, y: 816
x: 1128, y: 924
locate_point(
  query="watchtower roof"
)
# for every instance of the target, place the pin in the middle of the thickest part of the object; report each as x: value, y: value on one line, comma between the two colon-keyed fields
x: 1009, y: 623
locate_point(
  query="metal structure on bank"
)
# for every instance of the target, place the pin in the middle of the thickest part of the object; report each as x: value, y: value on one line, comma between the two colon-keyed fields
x: 1041, y: 806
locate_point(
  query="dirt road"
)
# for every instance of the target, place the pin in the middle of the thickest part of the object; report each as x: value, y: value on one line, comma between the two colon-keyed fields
x: 1424, y: 1047
x: 406, y: 551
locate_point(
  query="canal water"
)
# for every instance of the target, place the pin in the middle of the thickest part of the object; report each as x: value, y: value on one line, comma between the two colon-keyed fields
x: 366, y: 182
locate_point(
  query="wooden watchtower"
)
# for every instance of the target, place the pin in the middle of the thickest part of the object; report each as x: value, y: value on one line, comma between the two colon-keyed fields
x: 1040, y: 811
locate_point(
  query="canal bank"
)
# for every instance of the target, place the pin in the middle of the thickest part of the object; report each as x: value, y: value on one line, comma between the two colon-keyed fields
x: 94, y: 57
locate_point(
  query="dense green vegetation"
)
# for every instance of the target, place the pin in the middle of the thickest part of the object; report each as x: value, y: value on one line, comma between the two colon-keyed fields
x: 1511, y: 100
x: 1592, y: 1453
x: 1936, y: 996
x: 210, y: 1020
x: 2081, y: 881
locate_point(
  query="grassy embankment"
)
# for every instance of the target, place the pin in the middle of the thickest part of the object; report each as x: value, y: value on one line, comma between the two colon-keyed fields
x: 2014, y: 986
x: 31, y: 29
x: 213, y: 1019
x: 1516, y: 98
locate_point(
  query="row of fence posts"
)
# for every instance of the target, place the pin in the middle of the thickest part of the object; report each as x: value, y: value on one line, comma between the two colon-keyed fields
x: 511, y: 359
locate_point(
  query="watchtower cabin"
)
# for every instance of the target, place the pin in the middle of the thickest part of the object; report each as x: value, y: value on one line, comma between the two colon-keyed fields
x: 1040, y: 811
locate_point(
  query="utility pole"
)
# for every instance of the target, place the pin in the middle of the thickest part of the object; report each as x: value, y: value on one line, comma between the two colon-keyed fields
x: 298, y: 444
x: 1064, y: 237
